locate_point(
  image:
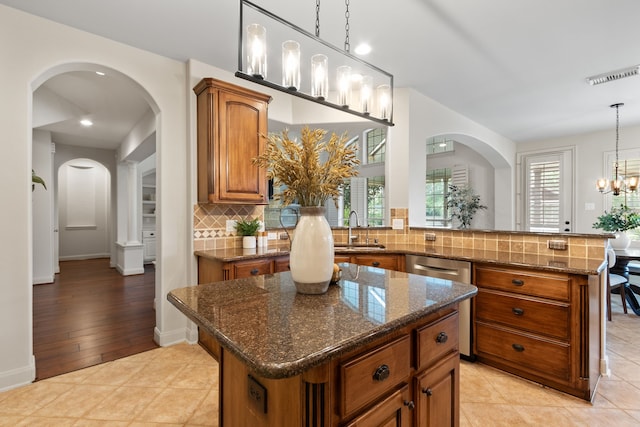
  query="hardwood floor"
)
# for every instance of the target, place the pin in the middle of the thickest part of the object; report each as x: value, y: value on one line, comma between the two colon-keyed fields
x: 90, y: 315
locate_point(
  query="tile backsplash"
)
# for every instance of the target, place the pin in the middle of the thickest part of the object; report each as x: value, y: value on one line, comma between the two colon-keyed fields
x: 209, y: 224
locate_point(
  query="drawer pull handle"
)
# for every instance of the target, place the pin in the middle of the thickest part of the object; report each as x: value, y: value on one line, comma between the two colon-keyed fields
x: 517, y: 311
x: 409, y: 404
x: 427, y: 391
x: 382, y: 373
x: 518, y: 347
x: 254, y: 272
x: 375, y: 263
x: 517, y: 282
x: 442, y: 338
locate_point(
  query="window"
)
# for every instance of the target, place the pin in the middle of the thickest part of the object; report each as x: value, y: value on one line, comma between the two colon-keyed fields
x: 366, y: 193
x: 376, y: 145
x: 437, y: 187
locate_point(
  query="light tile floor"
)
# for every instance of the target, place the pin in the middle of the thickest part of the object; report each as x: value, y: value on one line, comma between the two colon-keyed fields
x: 177, y: 386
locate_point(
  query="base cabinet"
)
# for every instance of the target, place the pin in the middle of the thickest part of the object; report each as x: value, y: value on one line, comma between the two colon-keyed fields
x: 540, y: 325
x: 408, y: 379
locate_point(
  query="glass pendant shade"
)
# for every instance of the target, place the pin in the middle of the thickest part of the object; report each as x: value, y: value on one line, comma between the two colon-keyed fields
x: 256, y: 49
x: 383, y: 94
x: 291, y: 64
x: 343, y: 81
x: 602, y: 184
x: 320, y: 76
x: 366, y: 92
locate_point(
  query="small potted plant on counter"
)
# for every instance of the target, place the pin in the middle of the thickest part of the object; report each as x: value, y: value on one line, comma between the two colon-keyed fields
x: 618, y: 220
x: 248, y: 228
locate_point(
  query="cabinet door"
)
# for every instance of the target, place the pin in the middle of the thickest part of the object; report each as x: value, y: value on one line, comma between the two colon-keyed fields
x: 394, y: 411
x: 437, y: 394
x: 242, y: 127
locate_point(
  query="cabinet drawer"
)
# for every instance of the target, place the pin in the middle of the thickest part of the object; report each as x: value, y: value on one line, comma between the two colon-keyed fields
x: 545, y: 285
x: 389, y: 262
x: 546, y: 358
x: 250, y: 268
x: 545, y: 317
x: 370, y: 376
x: 435, y: 340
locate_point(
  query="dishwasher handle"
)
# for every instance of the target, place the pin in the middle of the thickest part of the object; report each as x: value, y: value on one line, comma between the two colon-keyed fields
x: 437, y: 270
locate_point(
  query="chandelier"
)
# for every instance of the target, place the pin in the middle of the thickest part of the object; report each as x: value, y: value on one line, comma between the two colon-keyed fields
x: 275, y: 53
x: 619, y: 184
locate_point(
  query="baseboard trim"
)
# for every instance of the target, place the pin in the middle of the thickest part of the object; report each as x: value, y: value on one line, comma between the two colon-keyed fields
x: 83, y: 257
x: 129, y: 272
x: 174, y: 337
x: 43, y: 280
x: 18, y: 377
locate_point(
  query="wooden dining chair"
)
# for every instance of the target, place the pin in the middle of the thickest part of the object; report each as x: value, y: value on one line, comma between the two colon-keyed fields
x: 615, y: 281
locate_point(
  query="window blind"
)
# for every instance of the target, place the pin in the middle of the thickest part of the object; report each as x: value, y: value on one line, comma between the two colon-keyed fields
x: 544, y: 195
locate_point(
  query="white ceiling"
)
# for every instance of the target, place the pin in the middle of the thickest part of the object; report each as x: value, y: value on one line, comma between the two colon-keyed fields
x: 516, y: 67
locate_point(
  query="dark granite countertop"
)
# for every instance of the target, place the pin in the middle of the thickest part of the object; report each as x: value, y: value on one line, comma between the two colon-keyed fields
x: 279, y: 333
x: 554, y: 263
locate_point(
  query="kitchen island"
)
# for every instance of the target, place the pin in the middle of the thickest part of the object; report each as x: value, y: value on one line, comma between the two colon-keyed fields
x: 379, y: 347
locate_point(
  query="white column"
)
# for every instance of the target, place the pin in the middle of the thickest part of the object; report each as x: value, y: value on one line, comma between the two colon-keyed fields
x: 133, y: 208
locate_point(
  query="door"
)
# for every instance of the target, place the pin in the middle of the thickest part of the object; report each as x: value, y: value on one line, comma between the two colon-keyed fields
x: 546, y: 191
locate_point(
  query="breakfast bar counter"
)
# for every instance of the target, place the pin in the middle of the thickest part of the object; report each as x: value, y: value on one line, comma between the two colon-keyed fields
x: 359, y: 352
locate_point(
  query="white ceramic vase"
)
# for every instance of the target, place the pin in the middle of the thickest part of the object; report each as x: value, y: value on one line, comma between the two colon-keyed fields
x: 621, y: 242
x: 311, y: 255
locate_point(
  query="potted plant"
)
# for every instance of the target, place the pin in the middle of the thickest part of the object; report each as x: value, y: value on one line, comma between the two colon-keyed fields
x: 618, y: 220
x: 312, y: 170
x: 463, y: 204
x: 247, y: 228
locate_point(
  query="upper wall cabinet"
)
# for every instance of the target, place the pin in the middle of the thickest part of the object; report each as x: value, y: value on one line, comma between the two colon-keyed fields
x: 232, y: 129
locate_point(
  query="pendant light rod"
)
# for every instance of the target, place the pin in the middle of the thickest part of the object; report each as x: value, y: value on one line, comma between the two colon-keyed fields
x: 617, y: 185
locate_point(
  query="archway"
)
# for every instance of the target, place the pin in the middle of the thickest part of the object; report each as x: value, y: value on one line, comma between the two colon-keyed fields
x: 95, y: 233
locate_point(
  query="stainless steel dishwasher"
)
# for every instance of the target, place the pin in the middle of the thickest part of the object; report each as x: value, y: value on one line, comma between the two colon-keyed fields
x: 459, y: 271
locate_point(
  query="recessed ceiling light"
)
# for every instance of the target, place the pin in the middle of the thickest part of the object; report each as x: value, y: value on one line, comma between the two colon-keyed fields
x: 363, y: 49
x: 100, y: 73
x: 86, y: 122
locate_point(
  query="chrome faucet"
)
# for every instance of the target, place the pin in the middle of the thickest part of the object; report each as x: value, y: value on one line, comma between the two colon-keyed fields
x: 351, y: 237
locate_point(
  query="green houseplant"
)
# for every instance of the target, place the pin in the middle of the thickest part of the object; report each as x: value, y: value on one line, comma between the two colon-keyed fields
x: 248, y: 229
x: 463, y: 204
x: 618, y: 220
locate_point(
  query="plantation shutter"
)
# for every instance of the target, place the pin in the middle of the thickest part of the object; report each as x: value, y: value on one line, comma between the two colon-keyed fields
x: 543, y: 200
x: 460, y: 175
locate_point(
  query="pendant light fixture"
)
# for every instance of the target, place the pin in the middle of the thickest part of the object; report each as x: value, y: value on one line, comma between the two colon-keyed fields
x: 619, y: 184
x: 351, y: 85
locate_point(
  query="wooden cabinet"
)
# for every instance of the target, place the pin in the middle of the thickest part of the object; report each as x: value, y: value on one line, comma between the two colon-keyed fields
x: 211, y: 270
x: 232, y: 127
x: 381, y: 260
x: 536, y: 324
x: 410, y: 378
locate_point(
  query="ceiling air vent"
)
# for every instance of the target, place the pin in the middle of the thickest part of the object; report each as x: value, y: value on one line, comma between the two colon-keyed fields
x: 614, y: 75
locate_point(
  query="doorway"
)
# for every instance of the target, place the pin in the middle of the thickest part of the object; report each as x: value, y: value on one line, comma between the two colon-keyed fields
x: 90, y: 122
